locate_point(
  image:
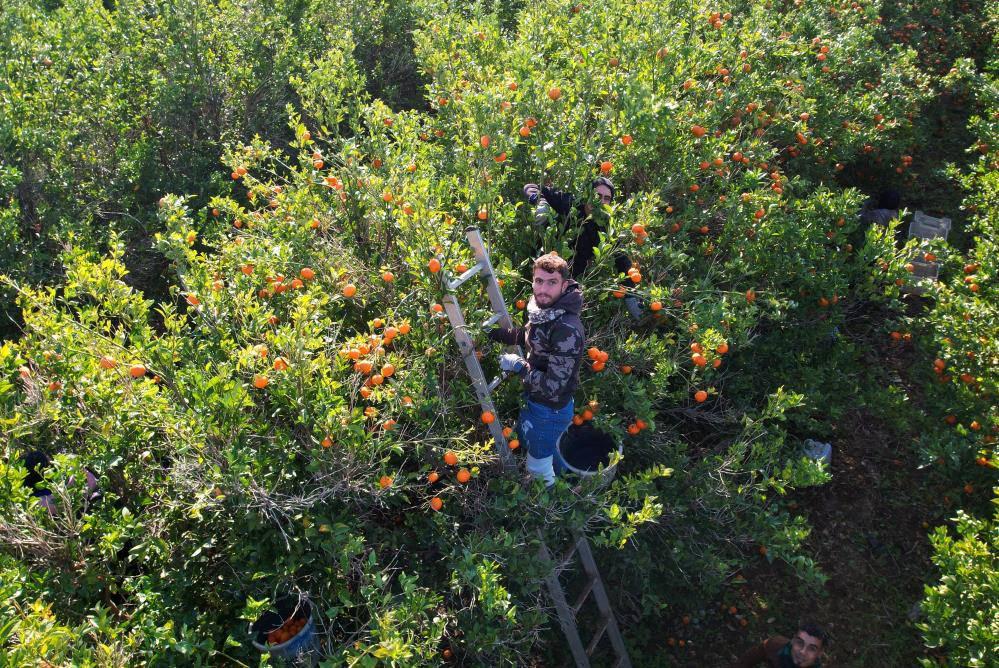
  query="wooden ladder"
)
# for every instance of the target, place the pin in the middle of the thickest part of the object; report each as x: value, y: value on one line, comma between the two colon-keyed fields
x: 594, y: 584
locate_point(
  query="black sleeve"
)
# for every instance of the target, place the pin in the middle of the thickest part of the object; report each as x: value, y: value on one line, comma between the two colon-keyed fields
x: 511, y: 336
x: 622, y: 263
x: 560, y: 201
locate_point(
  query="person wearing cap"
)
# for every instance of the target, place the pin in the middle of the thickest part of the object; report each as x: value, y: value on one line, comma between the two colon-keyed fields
x: 578, y: 215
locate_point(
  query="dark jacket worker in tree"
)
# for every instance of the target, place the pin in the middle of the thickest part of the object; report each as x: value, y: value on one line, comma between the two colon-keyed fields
x: 577, y: 221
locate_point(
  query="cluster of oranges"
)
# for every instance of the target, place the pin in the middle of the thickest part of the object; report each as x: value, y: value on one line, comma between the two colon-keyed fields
x: 698, y: 358
x: 638, y: 230
x: 585, y: 415
x: 598, y: 357
x: 277, y: 284
x: 637, y: 427
x: 288, y: 630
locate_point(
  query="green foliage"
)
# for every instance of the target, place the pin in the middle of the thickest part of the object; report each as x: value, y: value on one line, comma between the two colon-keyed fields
x: 962, y: 610
x: 258, y: 432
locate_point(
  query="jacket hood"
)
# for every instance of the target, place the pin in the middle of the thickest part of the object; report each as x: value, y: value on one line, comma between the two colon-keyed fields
x: 571, y: 300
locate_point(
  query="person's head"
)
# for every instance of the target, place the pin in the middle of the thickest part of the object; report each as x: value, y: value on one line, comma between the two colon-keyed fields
x: 889, y: 199
x: 807, y: 645
x: 603, y: 192
x: 551, y: 278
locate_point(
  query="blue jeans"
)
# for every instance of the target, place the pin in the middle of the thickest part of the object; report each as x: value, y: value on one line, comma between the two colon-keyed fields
x: 540, y: 428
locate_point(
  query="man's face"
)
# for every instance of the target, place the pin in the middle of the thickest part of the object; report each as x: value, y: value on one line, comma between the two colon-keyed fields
x: 548, y: 287
x: 805, y: 649
x: 601, y: 194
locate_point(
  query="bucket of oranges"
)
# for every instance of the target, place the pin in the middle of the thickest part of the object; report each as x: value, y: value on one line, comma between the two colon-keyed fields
x: 286, y: 632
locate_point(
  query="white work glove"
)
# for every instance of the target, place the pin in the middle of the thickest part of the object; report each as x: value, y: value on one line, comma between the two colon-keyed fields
x: 512, y: 362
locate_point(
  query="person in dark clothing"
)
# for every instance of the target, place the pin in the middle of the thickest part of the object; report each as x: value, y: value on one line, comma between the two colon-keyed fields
x: 804, y: 650
x: 578, y: 216
x: 36, y: 462
x: 554, y: 339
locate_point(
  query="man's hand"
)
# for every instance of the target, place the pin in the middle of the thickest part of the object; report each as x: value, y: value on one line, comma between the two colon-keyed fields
x: 512, y: 362
x: 532, y: 192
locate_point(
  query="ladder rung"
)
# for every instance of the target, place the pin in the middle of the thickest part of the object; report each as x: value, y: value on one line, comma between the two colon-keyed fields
x: 493, y: 320
x: 583, y: 595
x: 567, y: 558
x: 458, y: 282
x: 597, y: 636
x: 495, y: 382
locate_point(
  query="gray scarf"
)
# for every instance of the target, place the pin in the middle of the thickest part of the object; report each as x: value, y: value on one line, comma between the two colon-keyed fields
x: 537, y: 315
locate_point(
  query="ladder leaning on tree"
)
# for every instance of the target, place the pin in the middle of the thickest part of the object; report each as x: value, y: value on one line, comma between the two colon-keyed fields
x: 594, y: 584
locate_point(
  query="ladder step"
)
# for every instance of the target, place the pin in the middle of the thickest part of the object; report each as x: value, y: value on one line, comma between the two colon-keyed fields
x: 597, y: 636
x: 583, y: 595
x: 495, y: 382
x: 564, y: 561
x: 492, y: 321
x: 461, y: 280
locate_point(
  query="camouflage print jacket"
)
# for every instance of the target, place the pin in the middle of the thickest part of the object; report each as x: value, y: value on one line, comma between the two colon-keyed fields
x: 554, y: 339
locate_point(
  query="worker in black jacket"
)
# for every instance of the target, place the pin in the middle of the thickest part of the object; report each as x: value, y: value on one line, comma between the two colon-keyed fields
x: 578, y: 217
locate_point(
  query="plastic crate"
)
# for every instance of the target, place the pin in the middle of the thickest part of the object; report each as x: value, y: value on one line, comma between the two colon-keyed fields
x: 928, y: 227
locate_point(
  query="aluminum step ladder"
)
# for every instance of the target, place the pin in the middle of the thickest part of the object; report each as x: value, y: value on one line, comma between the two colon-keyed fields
x: 594, y: 584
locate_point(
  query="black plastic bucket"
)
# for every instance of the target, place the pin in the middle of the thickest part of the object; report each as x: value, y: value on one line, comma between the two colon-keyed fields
x: 585, y: 450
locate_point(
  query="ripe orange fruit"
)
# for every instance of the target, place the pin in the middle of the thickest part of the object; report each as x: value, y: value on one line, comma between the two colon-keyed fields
x: 606, y: 166
x: 137, y: 370
x: 656, y: 305
x: 193, y: 300
x: 554, y: 93
x: 626, y: 140
x: 260, y: 382
x: 722, y: 348
x: 108, y: 362
x: 377, y: 379
x: 577, y: 420
x: 349, y: 290
x: 521, y: 304
x: 388, y: 276
x: 697, y: 131
x: 404, y: 328
x: 695, y: 347
x: 488, y: 417
x: 700, y: 396
x: 625, y: 369
x: 327, y: 442
x: 434, y: 265
x: 450, y: 458
x: 698, y: 359
x: 388, y: 370
x: 385, y: 482
x: 482, y: 214
x: 436, y: 503
x: 307, y: 273
x: 633, y: 429
x: 750, y: 295
x: 436, y: 308
x: 484, y: 141
x: 514, y: 444
x: 280, y: 364
x: 463, y: 476
x: 599, y: 366
x: 433, y: 477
